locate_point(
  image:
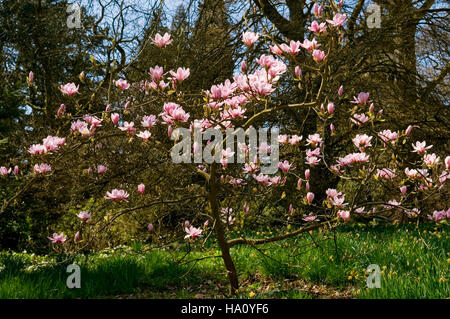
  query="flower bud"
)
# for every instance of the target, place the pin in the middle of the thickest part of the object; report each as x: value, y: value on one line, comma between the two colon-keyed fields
x: 330, y: 108
x: 30, y: 78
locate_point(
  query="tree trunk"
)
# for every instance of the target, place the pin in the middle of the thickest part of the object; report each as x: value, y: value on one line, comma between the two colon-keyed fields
x: 220, y: 232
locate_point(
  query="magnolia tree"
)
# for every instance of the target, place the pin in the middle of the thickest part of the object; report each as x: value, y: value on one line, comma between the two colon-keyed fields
x: 212, y: 153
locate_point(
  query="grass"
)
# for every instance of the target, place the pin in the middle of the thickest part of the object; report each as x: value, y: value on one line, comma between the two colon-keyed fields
x: 414, y: 263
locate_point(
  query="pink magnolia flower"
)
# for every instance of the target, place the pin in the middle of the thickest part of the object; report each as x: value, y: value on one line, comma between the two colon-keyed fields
x: 295, y: 139
x: 156, y: 73
x: 314, y: 139
x: 299, y: 183
x: 392, y: 204
x: 332, y: 193
x: 309, y: 218
x: 93, y: 120
x: 57, y: 239
x: 264, y: 148
x: 362, y: 141
x: 227, y: 153
x: 421, y: 147
x: 263, y: 179
x: 291, y: 209
x: 341, y: 90
x: 30, y: 78
x: 312, y: 161
x: 338, y: 20
x: 385, y: 173
x: 162, y: 41
x: 439, y: 215
x: 276, y: 180
x: 101, y: 169
x: 250, y: 168
x: 298, y: 72
x: 243, y: 66
x: 284, y: 166
x: 307, y: 174
x: 362, y: 98
x: 36, y: 149
x: 447, y: 162
x: 84, y: 215
x: 141, y: 189
x: 246, y: 208
x: 283, y: 139
x: 115, y: 118
x: 317, y: 9
x: 318, y: 28
x: 173, y: 113
x: 150, y: 227
x: 122, y: 84
x: 408, y: 130
x: 293, y: 47
x: 149, y: 121
x: 353, y: 158
x: 249, y: 38
x: 445, y: 175
x: 16, y: 170
x: 403, y: 190
x: 4, y: 171
x: 69, y: 89
x: 52, y: 143
x: 181, y: 74
x: 344, y: 214
x: 129, y: 127
x: 76, y: 238
x: 338, y: 201
x: 330, y: 108
x: 310, y: 197
x: 359, y: 119
x: 145, y: 135
x: 315, y: 152
x: 388, y: 136
x: 431, y: 159
x: 276, y: 49
x: 42, y: 168
x: 412, y: 173
x: 332, y: 129
x: 310, y: 45
x: 117, y: 195
x: 266, y: 61
x: 61, y: 110
x: 193, y: 232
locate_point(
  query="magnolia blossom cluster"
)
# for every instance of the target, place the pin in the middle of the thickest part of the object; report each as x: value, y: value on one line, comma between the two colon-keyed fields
x: 440, y: 215
x: 233, y: 100
x: 87, y: 126
x: 42, y: 168
x: 49, y: 144
x: 6, y: 171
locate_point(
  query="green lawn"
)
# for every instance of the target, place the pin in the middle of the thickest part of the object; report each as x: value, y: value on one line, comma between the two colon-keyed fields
x: 414, y: 263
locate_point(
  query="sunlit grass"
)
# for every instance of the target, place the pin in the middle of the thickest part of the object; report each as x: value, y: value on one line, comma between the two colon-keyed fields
x: 414, y: 263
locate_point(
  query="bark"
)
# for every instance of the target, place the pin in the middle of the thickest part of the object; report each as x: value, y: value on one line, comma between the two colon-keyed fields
x: 220, y: 231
